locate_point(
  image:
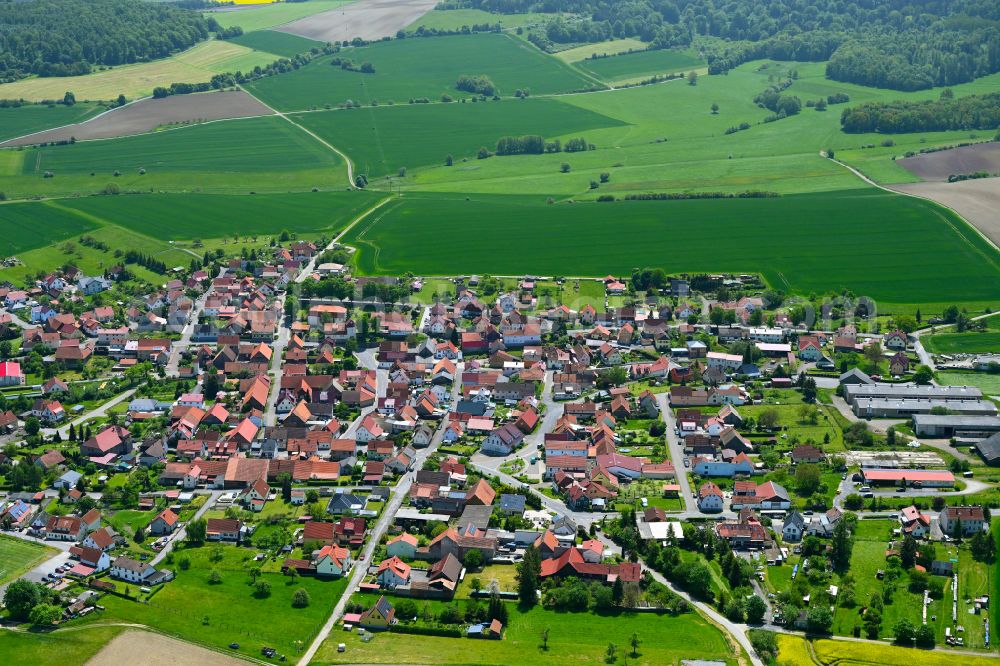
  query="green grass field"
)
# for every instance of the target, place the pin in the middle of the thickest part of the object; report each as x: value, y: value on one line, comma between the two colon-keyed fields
x: 268, y: 16
x: 990, y: 384
x: 669, y: 140
x: 252, y: 154
x: 644, y: 64
x: 18, y: 556
x: 185, y: 217
x: 278, y: 43
x: 413, y: 68
x: 191, y: 608
x: 381, y: 140
x: 31, y: 118
x: 72, y: 647
x: 575, y: 639
x: 865, y: 240
x: 963, y: 343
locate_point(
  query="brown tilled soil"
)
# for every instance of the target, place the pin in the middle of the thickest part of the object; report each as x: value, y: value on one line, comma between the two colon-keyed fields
x: 978, y: 201
x: 967, y: 159
x: 368, y: 19
x: 144, y: 648
x: 148, y: 114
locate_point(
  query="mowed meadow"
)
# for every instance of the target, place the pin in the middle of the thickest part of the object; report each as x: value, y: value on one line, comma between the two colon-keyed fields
x: 418, y: 68
x: 863, y: 240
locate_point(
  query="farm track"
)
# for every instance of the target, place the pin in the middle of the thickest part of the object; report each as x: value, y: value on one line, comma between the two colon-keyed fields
x: 343, y: 156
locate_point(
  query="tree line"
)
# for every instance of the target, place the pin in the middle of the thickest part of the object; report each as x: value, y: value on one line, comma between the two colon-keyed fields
x: 947, y: 113
x: 71, y: 37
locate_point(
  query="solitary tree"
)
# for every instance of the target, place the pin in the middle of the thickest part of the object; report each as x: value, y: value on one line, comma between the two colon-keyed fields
x: 715, y: 108
x: 545, y: 638
x: 692, y: 78
x: 449, y: 160
x: 635, y: 642
x: 527, y: 576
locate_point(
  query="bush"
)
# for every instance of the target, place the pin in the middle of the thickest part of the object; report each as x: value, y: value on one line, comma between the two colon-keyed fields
x: 262, y: 589
x: 300, y: 599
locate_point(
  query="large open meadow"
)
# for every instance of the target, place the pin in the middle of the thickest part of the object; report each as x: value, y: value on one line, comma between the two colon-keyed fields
x: 196, y: 65
x: 253, y: 154
x: 279, y: 43
x: 575, y: 639
x: 420, y: 67
x: 383, y: 139
x: 894, y: 249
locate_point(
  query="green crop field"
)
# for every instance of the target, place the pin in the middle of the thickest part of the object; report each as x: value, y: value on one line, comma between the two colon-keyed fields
x: 575, y: 639
x: 609, y: 48
x: 381, y: 140
x: 424, y: 67
x: 22, y: 222
x: 876, y: 244
x: 272, y: 41
x: 262, y: 154
x: 186, y: 217
x: 267, y: 16
x: 644, y: 64
x: 21, y: 120
x: 18, y: 556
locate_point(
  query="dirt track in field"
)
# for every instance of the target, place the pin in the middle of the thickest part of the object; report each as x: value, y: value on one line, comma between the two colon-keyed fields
x: 367, y: 19
x: 148, y: 114
x: 144, y: 648
x: 943, y: 163
x: 978, y: 201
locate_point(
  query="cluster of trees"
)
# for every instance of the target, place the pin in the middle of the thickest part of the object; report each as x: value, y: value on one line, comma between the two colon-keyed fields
x: 528, y: 144
x: 479, y: 84
x: 32, y: 602
x: 351, y: 66
x: 947, y: 113
x: 904, y: 46
x: 147, y: 261
x: 775, y: 100
x: 71, y: 37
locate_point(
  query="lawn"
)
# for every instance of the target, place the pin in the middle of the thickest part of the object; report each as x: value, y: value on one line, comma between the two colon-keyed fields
x: 866, y: 240
x: 31, y: 118
x: 176, y: 216
x: 381, y: 140
x: 644, y: 64
x: 268, y: 16
x: 574, y: 640
x: 251, y: 154
x: 413, y: 68
x: 195, y: 65
x: 18, y: 556
x: 278, y: 43
x: 71, y: 647
x: 193, y: 609
x: 504, y: 574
